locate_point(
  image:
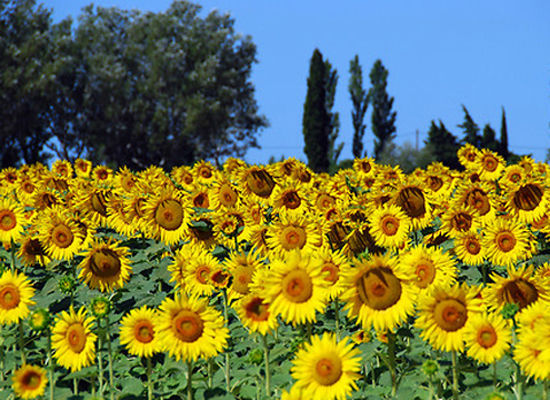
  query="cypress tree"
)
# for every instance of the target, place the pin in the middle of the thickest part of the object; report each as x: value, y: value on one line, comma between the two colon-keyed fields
x: 488, y: 140
x: 443, y: 145
x: 471, y: 130
x: 503, y: 145
x: 383, y: 118
x: 316, y: 121
x: 331, y: 80
x: 360, y: 101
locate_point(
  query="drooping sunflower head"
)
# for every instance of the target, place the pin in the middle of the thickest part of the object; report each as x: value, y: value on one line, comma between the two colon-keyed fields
x: 15, y: 297
x: 257, y: 180
x: 414, y: 201
x: 380, y: 292
x: 105, y: 266
x: 29, y: 381
x: 528, y: 200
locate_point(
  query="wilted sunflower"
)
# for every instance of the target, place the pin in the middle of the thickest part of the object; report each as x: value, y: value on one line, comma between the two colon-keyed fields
x: 507, y: 241
x: 12, y: 220
x: 488, y: 337
x: 29, y: 381
x: 255, y: 314
x: 327, y: 369
x: 73, y: 340
x: 292, y: 232
x: 528, y: 200
x: 430, y: 265
x: 381, y: 292
x: 389, y: 226
x: 15, y: 297
x: 166, y: 216
x: 415, y: 203
x: 105, y: 266
x: 519, y: 287
x: 138, y: 332
x: 256, y: 180
x: 295, y: 288
x: 189, y: 329
x: 32, y: 252
x: 445, y: 314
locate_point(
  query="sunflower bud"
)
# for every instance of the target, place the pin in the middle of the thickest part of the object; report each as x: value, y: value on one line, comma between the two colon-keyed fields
x: 255, y: 357
x: 67, y: 284
x: 430, y: 368
x: 39, y: 319
x: 495, y: 396
x: 100, y: 307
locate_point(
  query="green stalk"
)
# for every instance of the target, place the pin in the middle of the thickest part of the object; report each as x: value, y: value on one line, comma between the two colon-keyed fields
x: 51, y: 366
x: 22, y: 343
x: 519, y: 383
x: 392, y: 366
x: 99, y: 356
x: 495, y: 374
x: 75, y: 386
x: 210, y: 369
x: 267, y: 371
x: 227, y: 367
x: 455, y: 375
x: 337, y: 318
x: 545, y: 390
x: 149, y: 379
x: 189, y: 382
x: 110, y: 354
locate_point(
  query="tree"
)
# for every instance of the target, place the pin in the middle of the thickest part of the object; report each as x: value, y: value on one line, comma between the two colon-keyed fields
x: 488, y: 140
x: 407, y: 157
x: 470, y: 129
x: 334, y: 117
x: 443, y: 145
x: 383, y: 118
x: 503, y: 144
x: 316, y: 122
x: 27, y: 68
x: 360, y: 101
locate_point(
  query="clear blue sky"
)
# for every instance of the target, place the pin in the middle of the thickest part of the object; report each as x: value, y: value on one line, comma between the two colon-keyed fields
x: 440, y: 54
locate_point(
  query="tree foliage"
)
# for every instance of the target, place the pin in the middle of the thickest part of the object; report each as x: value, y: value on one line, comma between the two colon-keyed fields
x: 125, y: 87
x: 383, y: 118
x: 316, y: 121
x: 443, y: 145
x: 334, y: 117
x: 503, y: 143
x: 470, y: 130
x: 360, y: 102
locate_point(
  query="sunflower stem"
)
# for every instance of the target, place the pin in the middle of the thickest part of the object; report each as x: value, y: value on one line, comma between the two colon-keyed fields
x: 110, y: 354
x: 149, y: 379
x: 267, y: 371
x: 455, y: 375
x: 337, y: 318
x: 210, y: 369
x: 12, y: 251
x: 495, y: 374
x: 227, y: 367
x: 189, y: 382
x: 545, y: 390
x: 22, y: 343
x: 75, y: 386
x: 51, y: 366
x: 99, y: 356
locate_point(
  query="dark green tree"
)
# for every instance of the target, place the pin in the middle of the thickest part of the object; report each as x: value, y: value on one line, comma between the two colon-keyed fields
x: 316, y: 122
x: 383, y: 118
x: 334, y: 117
x: 488, y: 139
x: 443, y: 145
x: 503, y: 143
x: 360, y: 101
x: 470, y: 129
x: 27, y: 68
x: 164, y: 88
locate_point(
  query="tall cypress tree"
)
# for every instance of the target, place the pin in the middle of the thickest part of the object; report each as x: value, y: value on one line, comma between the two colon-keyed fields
x: 360, y: 101
x: 334, y: 117
x: 470, y: 129
x: 443, y: 145
x: 316, y: 121
x: 503, y: 145
x: 383, y: 118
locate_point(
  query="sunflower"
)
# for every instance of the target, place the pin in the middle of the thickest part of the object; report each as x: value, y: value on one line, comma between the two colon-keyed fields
x: 507, y: 241
x: 431, y: 266
x: 332, y: 265
x: 489, y: 165
x: 32, y: 252
x: 389, y: 226
x: 513, y: 174
x: 381, y: 293
x: 200, y: 197
x: 25, y: 190
x: 15, y: 297
x: 255, y: 314
x: 166, y: 216
x: 242, y: 268
x: 290, y: 197
x: 256, y: 180
x: 29, y: 381
x: 197, y: 277
x: 204, y: 172
x: 488, y: 337
x: 105, y: 266
x: 92, y: 201
x: 292, y: 232
x: 178, y: 267
x: 477, y: 196
x: 225, y: 194
x: 295, y: 288
x: 182, y: 175
x: 458, y: 220
x: 82, y: 167
x: 73, y: 340
x: 519, y: 287
x: 528, y: 200
x: 469, y: 248
x: 529, y: 353
x: 102, y: 174
x: 118, y: 217
x: 445, y: 314
x: 138, y: 332
x: 12, y: 219
x: 365, y: 167
x: 124, y: 181
x: 327, y: 369
x: 415, y: 203
x: 189, y: 328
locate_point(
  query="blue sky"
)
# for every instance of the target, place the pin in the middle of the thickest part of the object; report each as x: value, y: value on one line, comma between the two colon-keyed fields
x: 440, y: 55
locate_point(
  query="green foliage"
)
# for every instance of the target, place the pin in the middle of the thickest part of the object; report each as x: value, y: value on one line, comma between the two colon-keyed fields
x: 383, y: 118
x: 503, y: 144
x: 488, y: 140
x: 470, y: 129
x: 316, y: 120
x: 443, y: 145
x: 406, y: 156
x: 334, y: 117
x: 360, y: 101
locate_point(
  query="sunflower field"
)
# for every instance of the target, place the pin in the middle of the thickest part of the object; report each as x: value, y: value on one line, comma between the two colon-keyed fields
x: 272, y: 282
